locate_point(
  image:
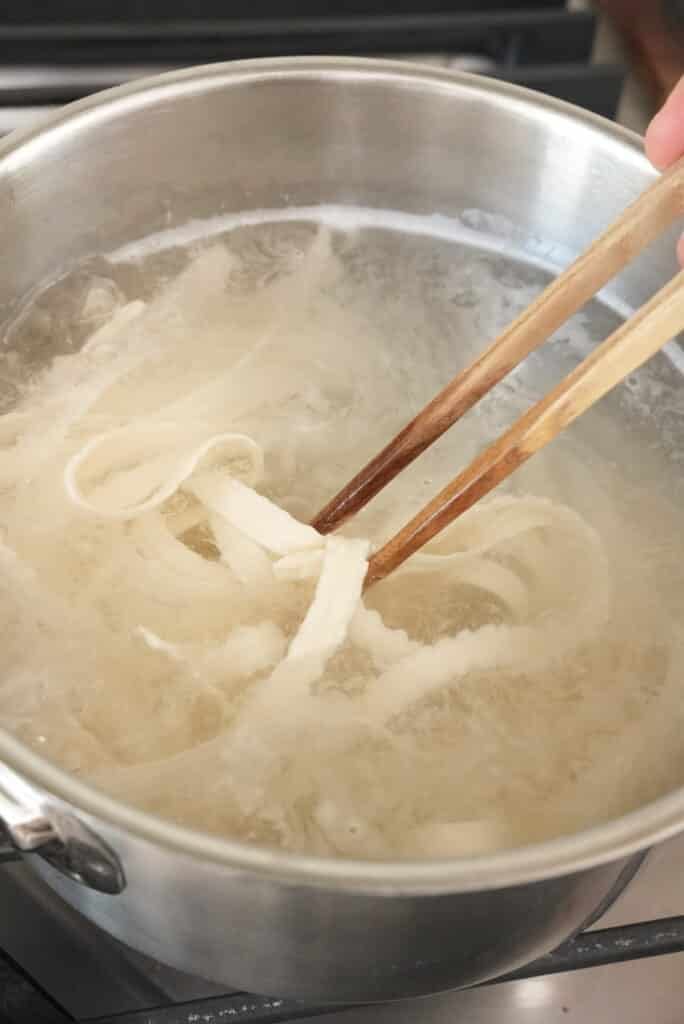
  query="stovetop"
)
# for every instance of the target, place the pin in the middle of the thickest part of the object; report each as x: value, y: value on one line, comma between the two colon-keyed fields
x: 54, y: 51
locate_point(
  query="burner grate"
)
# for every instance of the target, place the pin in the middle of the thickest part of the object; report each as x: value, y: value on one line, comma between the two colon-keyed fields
x: 23, y: 1002
x: 58, y: 51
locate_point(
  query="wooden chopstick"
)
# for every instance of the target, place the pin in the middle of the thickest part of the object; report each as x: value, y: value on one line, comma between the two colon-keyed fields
x: 624, y: 351
x: 640, y: 224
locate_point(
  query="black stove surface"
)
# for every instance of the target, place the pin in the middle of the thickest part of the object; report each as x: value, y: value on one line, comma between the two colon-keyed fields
x: 57, y: 967
x: 55, y: 51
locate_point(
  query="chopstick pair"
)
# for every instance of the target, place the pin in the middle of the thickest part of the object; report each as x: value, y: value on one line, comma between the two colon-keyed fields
x: 627, y: 348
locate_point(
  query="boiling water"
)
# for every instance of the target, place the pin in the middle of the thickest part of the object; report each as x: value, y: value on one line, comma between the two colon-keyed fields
x: 367, y: 332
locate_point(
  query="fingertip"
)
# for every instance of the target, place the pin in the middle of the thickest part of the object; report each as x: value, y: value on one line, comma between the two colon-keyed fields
x: 680, y: 250
x: 658, y: 141
x: 664, y: 141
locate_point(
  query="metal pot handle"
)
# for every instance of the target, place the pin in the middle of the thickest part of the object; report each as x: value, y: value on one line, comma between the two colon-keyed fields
x: 29, y: 824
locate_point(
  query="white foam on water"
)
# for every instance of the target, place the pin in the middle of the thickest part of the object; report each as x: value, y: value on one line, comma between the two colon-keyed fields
x: 486, y: 232
x: 339, y: 217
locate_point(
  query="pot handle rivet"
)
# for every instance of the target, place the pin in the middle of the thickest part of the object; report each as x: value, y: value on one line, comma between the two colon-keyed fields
x: 56, y: 836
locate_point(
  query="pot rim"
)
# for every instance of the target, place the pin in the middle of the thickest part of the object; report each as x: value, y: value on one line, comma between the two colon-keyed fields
x: 609, y: 841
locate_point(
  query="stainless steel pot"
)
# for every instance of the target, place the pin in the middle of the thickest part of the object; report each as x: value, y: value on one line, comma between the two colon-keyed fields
x: 263, y: 134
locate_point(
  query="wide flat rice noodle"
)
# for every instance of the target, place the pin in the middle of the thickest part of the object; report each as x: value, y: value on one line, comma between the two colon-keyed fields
x: 247, y: 560
x: 520, y: 647
x: 300, y: 565
x: 322, y: 631
x: 106, y: 336
x: 254, y: 515
x: 125, y: 473
x: 246, y: 651
x: 325, y: 626
x: 385, y: 645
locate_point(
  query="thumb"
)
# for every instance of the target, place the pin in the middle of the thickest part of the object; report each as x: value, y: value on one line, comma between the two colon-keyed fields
x: 665, y: 139
x: 665, y: 135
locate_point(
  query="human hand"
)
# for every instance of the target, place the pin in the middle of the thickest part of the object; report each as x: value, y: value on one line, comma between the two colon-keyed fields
x: 665, y: 138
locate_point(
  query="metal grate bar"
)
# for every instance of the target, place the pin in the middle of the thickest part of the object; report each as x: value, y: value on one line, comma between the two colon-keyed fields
x: 544, y: 36
x: 590, y: 949
x: 146, y: 10
x: 609, y: 946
